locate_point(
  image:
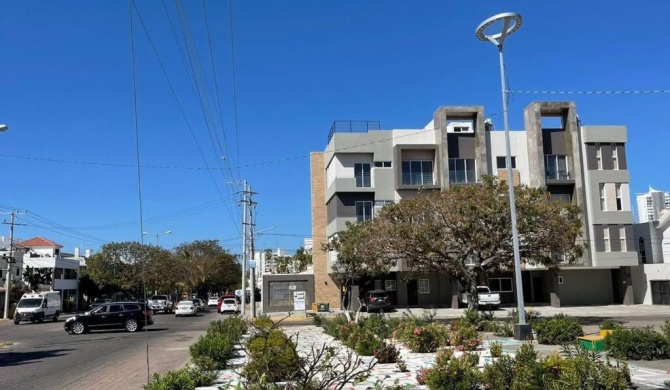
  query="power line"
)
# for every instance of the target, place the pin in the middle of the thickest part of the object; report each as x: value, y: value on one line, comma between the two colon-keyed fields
x: 58, y: 160
x: 232, y: 55
x: 622, y: 92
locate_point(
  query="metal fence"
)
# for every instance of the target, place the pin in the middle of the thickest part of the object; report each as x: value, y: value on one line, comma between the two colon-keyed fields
x: 345, y: 126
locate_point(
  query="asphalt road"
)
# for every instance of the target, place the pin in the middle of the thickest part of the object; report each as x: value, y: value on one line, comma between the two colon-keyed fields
x: 44, y: 356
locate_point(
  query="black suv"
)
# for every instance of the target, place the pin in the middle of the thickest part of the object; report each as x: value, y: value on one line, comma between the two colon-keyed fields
x: 131, y: 316
x: 376, y: 300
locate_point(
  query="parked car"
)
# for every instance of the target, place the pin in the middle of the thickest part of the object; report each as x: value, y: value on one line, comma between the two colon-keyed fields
x: 131, y: 316
x: 376, y: 300
x: 186, y: 308
x: 213, y: 300
x: 226, y: 296
x: 229, y: 305
x: 161, y: 303
x: 197, y: 302
x: 484, y: 296
x: 36, y: 307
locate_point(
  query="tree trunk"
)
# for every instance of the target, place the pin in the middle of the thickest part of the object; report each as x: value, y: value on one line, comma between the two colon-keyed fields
x: 473, y: 295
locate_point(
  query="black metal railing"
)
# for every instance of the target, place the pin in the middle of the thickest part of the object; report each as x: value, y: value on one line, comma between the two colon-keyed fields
x: 345, y: 126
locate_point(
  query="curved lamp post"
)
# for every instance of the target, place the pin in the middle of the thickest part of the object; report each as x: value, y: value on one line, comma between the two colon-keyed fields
x: 511, y: 22
x: 158, y: 236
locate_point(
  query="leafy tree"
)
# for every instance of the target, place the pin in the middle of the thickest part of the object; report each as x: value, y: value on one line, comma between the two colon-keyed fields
x: 302, y: 259
x: 122, y: 264
x: 205, y: 266
x: 88, y: 288
x: 356, y: 258
x: 36, y: 277
x: 465, y: 231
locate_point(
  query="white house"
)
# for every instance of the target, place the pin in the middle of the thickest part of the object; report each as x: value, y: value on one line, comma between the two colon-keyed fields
x: 43, y: 253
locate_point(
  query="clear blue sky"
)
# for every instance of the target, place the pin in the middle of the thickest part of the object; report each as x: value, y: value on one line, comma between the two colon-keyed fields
x: 67, y: 95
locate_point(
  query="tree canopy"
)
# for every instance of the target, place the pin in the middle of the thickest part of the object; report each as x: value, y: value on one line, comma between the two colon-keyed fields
x: 465, y: 232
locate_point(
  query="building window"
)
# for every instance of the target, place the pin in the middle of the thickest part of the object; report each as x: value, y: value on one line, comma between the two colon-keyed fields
x: 643, y: 252
x: 417, y: 173
x: 603, y: 200
x: 363, y: 211
x: 566, y: 198
x: 622, y: 238
x: 660, y: 292
x: 390, y: 285
x: 424, y: 286
x: 599, y: 157
x: 501, y: 162
x: 606, y: 238
x: 362, y: 175
x: 615, y: 157
x: 619, y: 203
x: 462, y: 170
x: 501, y: 285
x: 557, y: 167
x: 382, y: 164
x: 378, y: 284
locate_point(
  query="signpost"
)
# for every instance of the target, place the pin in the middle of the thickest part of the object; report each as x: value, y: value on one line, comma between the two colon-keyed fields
x: 299, y: 301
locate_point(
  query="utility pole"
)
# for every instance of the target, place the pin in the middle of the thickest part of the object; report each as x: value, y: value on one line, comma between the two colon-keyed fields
x: 253, y: 269
x: 10, y: 260
x: 244, y: 248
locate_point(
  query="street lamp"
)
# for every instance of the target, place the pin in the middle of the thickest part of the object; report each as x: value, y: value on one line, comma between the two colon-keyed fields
x: 511, y: 22
x: 158, y: 235
x: 4, y: 127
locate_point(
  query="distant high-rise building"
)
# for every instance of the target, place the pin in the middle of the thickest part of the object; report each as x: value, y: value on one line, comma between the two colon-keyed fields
x: 650, y: 204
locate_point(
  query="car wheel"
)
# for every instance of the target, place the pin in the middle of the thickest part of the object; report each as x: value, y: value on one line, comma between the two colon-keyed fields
x: 131, y: 325
x: 78, y: 327
x: 16, y: 322
x: 41, y: 319
x: 56, y: 316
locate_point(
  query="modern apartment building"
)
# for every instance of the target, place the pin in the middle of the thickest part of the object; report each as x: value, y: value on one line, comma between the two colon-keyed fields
x: 650, y: 205
x: 364, y: 168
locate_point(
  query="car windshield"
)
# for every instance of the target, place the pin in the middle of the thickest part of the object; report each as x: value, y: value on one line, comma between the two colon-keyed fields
x: 101, y: 300
x: 185, y: 303
x: 229, y: 301
x: 483, y: 290
x: 30, y: 302
x: 159, y: 297
x: 378, y: 295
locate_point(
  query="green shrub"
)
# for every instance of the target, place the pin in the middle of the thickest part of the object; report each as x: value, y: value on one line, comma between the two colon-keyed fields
x: 184, y: 379
x: 496, y: 349
x: 318, y: 320
x: 637, y: 344
x: 559, y: 329
x: 171, y: 380
x: 273, y: 356
x: 609, y: 325
x: 212, y: 351
x: 666, y: 329
x: 456, y: 374
x: 473, y: 318
x: 377, y: 324
x: 465, y: 338
x: 262, y: 323
x: 504, y: 329
x: 500, y: 373
x: 387, y: 354
x: 423, y: 339
x: 363, y: 341
x: 582, y: 369
x: 233, y: 327
x: 330, y: 327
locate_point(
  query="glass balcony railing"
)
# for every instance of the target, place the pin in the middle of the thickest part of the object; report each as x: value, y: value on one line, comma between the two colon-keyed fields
x: 557, y: 167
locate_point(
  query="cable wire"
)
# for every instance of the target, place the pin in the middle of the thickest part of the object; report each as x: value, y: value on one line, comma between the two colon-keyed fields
x: 622, y: 92
x: 131, y: 4
x: 234, y: 73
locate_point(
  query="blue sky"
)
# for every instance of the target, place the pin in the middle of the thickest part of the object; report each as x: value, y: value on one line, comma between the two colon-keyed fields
x: 67, y: 96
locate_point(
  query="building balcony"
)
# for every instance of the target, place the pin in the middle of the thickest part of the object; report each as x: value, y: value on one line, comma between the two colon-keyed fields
x: 557, y: 168
x: 346, y: 184
x: 462, y: 177
x: 346, y: 126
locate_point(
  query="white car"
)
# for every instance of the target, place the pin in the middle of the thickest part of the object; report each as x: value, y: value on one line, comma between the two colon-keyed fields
x: 198, y: 303
x: 213, y: 300
x: 186, y: 308
x: 229, y: 305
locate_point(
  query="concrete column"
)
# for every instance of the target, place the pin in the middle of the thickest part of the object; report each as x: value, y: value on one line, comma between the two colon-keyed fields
x: 454, y: 294
x: 554, y: 290
x: 627, y: 286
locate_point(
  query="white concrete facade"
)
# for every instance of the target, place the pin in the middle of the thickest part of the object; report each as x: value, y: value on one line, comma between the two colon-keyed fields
x: 650, y: 204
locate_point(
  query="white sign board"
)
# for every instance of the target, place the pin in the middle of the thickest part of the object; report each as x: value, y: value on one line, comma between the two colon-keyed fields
x: 298, y: 300
x: 292, y: 286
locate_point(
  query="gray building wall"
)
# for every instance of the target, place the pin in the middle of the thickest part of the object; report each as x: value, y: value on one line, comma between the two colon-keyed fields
x: 586, y: 287
x: 303, y: 281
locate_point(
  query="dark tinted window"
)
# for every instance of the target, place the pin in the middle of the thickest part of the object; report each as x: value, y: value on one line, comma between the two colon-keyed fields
x: 377, y: 294
x: 159, y: 297
x: 115, y: 308
x: 131, y: 307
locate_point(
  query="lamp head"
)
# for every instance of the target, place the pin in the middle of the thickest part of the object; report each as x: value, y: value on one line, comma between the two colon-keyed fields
x: 511, y: 22
x: 4, y: 127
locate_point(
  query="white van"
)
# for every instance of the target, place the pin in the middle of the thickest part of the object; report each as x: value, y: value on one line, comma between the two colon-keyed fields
x: 36, y: 307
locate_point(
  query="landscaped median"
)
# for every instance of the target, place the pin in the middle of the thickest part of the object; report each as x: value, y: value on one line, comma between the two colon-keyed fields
x: 379, y: 352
